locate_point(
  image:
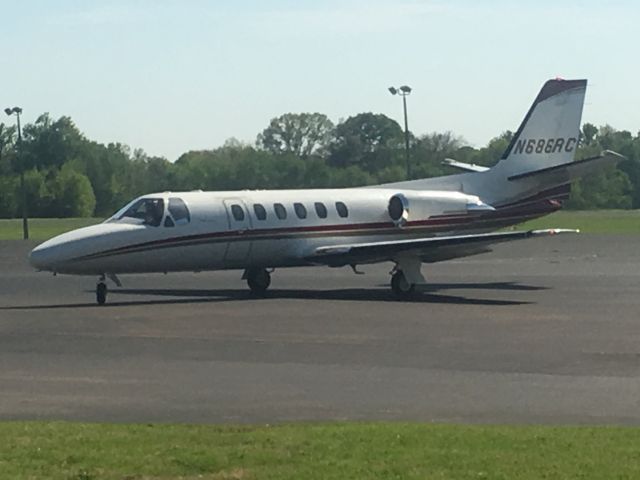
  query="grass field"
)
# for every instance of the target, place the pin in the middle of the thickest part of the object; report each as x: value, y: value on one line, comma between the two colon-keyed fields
x: 42, y: 228
x: 592, y: 221
x: 598, y: 221
x: 36, y: 450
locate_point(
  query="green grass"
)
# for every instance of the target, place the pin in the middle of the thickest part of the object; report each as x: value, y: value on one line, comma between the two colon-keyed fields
x: 42, y: 228
x: 597, y: 221
x: 591, y: 221
x: 39, y: 450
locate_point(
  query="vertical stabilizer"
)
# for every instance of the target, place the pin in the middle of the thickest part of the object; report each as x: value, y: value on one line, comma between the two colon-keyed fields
x: 549, y: 134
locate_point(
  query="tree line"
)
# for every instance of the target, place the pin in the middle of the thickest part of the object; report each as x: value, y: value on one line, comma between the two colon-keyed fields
x: 67, y: 174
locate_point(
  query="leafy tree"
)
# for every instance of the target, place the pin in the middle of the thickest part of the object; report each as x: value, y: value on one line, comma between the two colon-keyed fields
x: 38, y: 196
x: 370, y: 141
x: 7, y: 141
x: 67, y: 174
x: 589, y: 132
x: 608, y: 189
x: 431, y: 149
x: 9, y: 200
x: 300, y: 134
x: 49, y: 143
x: 72, y: 194
x: 491, y: 154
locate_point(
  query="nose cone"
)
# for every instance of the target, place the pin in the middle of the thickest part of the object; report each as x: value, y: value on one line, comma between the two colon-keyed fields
x: 67, y: 253
x: 44, y: 256
x: 55, y: 253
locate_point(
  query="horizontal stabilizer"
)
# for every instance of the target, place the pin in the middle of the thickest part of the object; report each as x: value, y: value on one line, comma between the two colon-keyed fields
x: 467, y: 167
x: 573, y: 170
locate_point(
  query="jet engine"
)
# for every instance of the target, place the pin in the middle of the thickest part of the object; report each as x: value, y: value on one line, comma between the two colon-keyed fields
x: 398, y: 209
x: 424, y: 204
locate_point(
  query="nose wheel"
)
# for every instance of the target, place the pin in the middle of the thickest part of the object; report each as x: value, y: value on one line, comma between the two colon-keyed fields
x: 101, y: 293
x: 258, y: 280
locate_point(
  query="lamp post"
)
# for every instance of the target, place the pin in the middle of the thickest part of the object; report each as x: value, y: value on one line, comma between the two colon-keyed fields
x: 23, y: 193
x: 404, y: 91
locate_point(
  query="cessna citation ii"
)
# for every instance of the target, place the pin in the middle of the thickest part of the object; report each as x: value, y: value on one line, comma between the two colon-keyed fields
x: 407, y: 223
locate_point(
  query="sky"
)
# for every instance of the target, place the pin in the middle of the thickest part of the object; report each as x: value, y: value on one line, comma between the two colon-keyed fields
x: 169, y: 76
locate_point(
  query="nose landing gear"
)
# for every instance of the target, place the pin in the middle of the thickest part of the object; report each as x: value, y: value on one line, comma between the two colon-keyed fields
x: 101, y: 287
x: 101, y: 291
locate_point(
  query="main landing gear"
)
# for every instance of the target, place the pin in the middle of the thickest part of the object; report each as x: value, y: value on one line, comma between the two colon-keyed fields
x: 258, y: 280
x: 405, y: 276
x: 400, y: 286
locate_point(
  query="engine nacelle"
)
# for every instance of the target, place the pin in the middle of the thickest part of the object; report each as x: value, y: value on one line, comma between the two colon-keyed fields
x: 399, y: 209
x: 420, y: 205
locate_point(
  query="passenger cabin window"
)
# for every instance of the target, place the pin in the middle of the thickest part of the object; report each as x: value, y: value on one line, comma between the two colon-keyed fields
x: 149, y: 210
x: 301, y: 210
x: 179, y: 211
x: 281, y: 212
x: 168, y: 222
x: 260, y: 211
x: 321, y: 210
x: 238, y: 212
x: 342, y: 209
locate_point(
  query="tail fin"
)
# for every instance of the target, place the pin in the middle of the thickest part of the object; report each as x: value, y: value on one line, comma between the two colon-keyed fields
x: 549, y: 134
x: 539, y: 157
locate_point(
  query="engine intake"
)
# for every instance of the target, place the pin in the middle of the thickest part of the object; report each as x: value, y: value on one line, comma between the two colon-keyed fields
x: 398, y: 209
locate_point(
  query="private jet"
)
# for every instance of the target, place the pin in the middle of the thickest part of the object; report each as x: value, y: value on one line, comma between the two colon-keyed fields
x: 407, y: 223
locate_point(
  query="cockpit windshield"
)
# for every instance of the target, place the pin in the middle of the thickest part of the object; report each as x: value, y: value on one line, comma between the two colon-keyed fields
x: 149, y: 210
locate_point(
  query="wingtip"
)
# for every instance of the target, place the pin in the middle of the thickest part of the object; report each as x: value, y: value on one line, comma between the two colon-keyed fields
x: 554, y: 231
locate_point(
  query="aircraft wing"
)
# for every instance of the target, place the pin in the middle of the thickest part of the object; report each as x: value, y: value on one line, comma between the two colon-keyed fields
x: 432, y: 249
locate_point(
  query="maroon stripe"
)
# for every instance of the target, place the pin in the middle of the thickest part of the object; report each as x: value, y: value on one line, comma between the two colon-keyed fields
x: 543, y: 195
x: 430, y: 225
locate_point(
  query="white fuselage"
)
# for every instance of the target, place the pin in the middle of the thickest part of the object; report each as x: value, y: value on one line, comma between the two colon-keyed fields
x: 226, y: 231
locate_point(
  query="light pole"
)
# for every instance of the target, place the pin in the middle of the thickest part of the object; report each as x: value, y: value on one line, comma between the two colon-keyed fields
x: 404, y: 91
x: 23, y: 193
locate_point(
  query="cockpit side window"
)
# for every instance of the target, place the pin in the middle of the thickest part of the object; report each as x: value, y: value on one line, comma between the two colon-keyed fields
x: 149, y: 210
x: 179, y: 211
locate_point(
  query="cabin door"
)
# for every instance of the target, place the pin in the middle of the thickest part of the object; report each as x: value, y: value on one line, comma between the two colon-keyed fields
x: 239, y: 240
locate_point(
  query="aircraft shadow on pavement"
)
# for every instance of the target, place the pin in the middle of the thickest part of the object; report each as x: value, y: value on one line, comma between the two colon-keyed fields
x: 431, y: 287
x: 430, y: 294
x: 349, y: 294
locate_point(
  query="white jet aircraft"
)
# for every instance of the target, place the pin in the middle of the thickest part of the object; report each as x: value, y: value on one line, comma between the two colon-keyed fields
x: 407, y: 223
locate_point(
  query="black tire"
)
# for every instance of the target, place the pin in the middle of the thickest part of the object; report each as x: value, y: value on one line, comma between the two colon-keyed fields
x: 258, y: 280
x: 400, y: 287
x: 101, y: 293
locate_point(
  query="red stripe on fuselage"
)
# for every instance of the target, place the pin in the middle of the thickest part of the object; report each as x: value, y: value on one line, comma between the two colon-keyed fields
x: 433, y: 224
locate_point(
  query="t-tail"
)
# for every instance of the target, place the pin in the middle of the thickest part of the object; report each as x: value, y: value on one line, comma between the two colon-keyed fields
x: 538, y: 165
x: 539, y: 161
x: 550, y: 132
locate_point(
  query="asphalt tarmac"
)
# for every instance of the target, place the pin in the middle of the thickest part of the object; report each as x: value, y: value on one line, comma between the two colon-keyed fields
x: 540, y: 331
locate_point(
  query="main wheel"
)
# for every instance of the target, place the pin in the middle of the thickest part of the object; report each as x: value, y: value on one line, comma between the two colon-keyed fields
x: 101, y: 293
x: 400, y: 286
x: 258, y: 280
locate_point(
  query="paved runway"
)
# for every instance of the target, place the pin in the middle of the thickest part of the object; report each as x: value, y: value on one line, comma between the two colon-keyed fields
x: 541, y: 331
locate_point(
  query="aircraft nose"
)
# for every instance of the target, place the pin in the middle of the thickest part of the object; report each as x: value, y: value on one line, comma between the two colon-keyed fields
x: 42, y: 257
